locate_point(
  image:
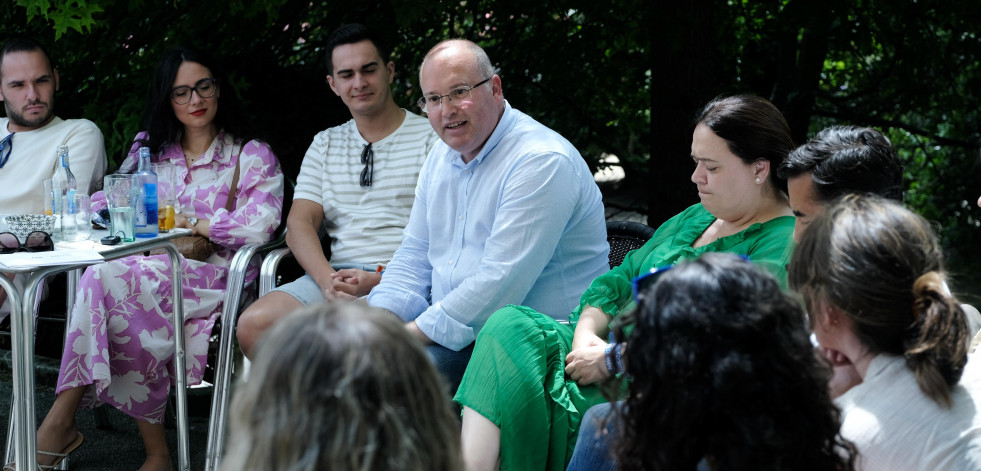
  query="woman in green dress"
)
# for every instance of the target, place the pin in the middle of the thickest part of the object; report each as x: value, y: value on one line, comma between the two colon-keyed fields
x: 531, y: 378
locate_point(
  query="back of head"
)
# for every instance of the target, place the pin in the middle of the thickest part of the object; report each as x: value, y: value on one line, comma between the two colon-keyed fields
x: 723, y: 370
x: 848, y: 159
x: 342, y: 387
x: 159, y: 120
x: 349, y: 34
x: 881, y: 264
x: 753, y: 128
x: 23, y: 45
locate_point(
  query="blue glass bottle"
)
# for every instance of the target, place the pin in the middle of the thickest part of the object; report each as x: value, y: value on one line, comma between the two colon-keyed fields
x: 146, y: 211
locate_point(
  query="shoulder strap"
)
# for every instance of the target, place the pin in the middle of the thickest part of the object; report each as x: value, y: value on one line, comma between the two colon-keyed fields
x: 233, y: 189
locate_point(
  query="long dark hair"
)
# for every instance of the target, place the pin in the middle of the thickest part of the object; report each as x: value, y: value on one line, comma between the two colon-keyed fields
x: 723, y: 371
x: 159, y: 121
x: 881, y: 264
x: 754, y: 130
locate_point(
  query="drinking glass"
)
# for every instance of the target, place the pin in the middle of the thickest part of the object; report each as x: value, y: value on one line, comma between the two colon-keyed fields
x: 120, y: 198
x: 48, y: 196
x: 166, y: 194
x: 82, y: 217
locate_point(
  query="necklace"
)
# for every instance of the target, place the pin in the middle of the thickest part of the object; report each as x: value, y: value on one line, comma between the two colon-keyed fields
x: 190, y: 160
x: 188, y: 151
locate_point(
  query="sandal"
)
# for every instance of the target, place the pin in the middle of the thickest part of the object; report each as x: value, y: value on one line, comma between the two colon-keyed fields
x: 59, y: 457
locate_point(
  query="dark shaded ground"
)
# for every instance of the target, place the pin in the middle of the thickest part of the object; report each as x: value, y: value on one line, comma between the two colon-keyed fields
x: 118, y: 448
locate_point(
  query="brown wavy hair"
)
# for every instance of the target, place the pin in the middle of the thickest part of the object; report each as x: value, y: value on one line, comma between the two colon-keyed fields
x: 342, y: 386
x: 882, y: 265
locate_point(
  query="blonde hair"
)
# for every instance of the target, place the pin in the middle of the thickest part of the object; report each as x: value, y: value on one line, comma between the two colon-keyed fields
x: 342, y: 386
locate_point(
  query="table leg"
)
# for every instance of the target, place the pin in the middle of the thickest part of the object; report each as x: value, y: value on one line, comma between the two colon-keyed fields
x: 21, y: 414
x: 183, y: 438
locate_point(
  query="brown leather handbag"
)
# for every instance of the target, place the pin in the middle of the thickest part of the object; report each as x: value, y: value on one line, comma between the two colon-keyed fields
x: 198, y: 247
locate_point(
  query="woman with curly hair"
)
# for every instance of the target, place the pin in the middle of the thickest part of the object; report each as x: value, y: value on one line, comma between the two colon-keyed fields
x: 722, y: 373
x: 342, y: 386
x: 871, y: 273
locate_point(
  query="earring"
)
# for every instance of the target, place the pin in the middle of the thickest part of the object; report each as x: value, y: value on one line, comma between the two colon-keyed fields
x: 758, y: 180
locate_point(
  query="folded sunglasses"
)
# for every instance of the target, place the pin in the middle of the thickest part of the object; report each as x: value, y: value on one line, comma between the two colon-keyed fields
x: 37, y: 241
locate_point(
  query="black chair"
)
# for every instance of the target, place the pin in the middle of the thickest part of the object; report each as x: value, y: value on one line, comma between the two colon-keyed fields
x: 624, y: 236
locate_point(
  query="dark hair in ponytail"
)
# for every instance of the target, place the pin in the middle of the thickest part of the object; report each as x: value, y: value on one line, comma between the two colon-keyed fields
x: 935, y: 314
x: 881, y: 264
x: 753, y: 129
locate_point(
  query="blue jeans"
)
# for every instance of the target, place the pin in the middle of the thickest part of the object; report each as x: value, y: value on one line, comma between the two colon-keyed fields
x: 595, y: 446
x: 451, y: 364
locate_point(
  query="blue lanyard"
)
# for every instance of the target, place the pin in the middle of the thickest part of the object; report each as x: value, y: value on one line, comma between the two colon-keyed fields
x: 6, y: 146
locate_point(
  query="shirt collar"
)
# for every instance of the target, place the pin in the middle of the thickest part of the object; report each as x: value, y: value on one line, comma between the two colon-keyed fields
x: 219, y: 151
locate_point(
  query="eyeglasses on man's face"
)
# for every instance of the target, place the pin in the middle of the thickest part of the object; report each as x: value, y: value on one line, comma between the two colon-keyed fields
x: 205, y: 88
x: 434, y: 102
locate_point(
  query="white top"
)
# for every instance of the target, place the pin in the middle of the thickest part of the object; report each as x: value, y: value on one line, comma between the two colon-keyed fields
x: 897, y: 427
x: 365, y: 223
x: 33, y: 159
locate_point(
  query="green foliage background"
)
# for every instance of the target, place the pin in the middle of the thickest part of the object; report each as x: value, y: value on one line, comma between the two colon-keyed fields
x: 621, y: 78
x: 106, y: 50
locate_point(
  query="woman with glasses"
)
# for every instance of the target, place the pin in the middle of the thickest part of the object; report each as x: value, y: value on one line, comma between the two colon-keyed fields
x: 722, y: 376
x: 118, y: 348
x: 531, y: 378
x: 871, y: 273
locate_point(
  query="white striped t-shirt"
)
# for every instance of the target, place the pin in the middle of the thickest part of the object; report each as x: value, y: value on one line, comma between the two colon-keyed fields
x: 365, y: 223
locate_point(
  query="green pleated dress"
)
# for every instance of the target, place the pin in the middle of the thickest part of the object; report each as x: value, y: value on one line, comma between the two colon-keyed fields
x: 516, y: 376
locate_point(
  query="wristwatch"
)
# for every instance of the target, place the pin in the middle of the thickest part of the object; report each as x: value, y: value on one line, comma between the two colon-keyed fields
x: 193, y: 220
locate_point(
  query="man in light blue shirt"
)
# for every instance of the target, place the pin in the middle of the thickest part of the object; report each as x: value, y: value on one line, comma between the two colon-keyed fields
x: 506, y: 212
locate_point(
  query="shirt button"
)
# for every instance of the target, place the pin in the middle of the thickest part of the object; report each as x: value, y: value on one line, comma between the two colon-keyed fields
x: 450, y: 262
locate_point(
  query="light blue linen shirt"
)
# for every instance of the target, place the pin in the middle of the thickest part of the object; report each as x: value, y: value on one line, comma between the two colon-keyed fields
x: 522, y: 223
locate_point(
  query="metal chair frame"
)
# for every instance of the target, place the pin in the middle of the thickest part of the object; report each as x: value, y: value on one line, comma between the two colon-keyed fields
x: 618, y: 232
x: 217, y: 422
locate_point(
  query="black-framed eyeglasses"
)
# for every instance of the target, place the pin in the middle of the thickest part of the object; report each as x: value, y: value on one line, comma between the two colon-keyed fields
x: 205, y: 88
x: 642, y: 282
x: 6, y: 147
x: 368, y: 159
x: 37, y: 241
x: 434, y: 102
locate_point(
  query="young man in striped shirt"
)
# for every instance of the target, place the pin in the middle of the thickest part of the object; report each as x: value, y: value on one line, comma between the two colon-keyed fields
x: 359, y: 178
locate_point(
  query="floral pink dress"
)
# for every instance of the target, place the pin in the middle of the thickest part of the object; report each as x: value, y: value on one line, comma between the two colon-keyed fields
x: 119, y: 338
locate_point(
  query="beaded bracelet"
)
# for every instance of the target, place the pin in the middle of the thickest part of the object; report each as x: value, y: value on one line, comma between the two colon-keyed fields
x: 619, y: 359
x: 608, y: 354
x: 614, y: 358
